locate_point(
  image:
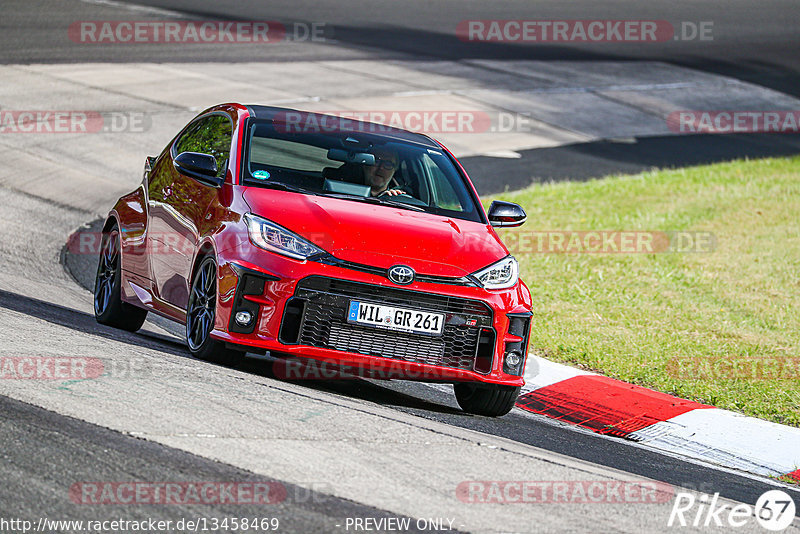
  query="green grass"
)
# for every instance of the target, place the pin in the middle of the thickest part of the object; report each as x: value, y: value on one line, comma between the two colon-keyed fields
x: 633, y: 316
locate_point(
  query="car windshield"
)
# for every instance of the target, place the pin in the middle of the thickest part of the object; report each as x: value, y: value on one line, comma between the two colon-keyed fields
x: 358, y: 166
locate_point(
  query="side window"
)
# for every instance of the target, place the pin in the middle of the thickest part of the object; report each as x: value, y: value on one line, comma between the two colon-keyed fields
x: 212, y: 135
x: 444, y: 193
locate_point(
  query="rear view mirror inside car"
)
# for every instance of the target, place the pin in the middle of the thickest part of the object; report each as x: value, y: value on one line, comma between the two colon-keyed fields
x: 340, y: 154
x: 347, y: 188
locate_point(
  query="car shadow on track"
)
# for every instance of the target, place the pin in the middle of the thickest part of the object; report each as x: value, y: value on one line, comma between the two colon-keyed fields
x: 84, y: 322
x: 356, y: 388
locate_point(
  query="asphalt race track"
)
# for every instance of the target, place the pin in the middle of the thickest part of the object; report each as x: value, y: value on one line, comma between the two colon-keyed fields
x: 330, y: 452
x: 750, y: 42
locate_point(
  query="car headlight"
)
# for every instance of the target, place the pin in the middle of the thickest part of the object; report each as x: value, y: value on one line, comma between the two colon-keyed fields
x: 499, y: 275
x: 275, y: 238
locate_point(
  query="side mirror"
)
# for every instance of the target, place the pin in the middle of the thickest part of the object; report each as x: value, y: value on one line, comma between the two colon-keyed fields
x: 506, y: 214
x: 149, y: 163
x: 201, y: 167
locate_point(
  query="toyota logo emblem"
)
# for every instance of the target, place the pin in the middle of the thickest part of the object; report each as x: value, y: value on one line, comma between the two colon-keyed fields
x: 401, y: 275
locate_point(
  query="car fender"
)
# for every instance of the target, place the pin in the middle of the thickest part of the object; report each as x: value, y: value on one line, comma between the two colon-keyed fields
x: 130, y: 214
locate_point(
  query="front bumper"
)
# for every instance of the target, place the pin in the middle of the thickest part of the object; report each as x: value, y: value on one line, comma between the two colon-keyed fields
x: 301, y: 307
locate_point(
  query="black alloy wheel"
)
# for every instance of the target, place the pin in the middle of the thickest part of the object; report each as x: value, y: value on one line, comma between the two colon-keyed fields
x: 201, y: 314
x: 109, y: 309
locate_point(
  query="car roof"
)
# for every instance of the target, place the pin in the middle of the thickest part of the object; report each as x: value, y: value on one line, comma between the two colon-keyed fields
x: 270, y: 112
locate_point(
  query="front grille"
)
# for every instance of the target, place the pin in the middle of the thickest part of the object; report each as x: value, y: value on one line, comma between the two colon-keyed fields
x: 324, y: 324
x: 354, y: 338
x: 396, y: 296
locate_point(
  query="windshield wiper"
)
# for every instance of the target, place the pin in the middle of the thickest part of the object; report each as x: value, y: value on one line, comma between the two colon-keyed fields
x: 286, y: 187
x: 375, y: 200
x: 397, y: 203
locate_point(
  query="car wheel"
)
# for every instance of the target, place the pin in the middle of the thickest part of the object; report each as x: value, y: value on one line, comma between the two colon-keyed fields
x: 108, y: 306
x: 200, y: 316
x: 493, y: 401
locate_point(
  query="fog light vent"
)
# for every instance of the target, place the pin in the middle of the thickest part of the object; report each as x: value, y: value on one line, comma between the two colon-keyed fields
x: 245, y: 313
x: 243, y: 318
x: 292, y: 319
x: 519, y: 324
x: 485, y: 351
x: 513, y: 359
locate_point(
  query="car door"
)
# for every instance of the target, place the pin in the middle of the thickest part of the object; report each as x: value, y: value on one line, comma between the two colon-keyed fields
x: 179, y: 204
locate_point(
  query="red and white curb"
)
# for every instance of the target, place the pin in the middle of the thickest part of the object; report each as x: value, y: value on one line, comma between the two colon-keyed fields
x: 661, y: 421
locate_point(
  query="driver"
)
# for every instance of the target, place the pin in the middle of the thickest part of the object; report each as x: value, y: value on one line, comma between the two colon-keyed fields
x: 379, y: 176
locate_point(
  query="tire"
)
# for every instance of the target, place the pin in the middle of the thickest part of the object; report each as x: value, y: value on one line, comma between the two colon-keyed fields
x: 492, y: 401
x: 200, y: 315
x: 108, y: 306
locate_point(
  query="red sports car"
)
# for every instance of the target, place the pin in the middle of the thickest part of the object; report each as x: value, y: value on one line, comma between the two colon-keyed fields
x: 325, y: 239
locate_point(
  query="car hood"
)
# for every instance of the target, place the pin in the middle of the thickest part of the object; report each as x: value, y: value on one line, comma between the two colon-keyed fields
x: 381, y: 236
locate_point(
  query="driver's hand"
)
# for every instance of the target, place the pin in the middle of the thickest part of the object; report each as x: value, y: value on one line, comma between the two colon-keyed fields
x: 393, y: 192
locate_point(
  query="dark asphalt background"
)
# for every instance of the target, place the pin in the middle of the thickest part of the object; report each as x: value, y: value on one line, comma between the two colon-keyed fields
x: 44, y: 454
x: 758, y: 42
x: 753, y: 41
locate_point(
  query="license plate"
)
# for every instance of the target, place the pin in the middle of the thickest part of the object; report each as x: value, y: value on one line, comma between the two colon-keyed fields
x: 392, y: 318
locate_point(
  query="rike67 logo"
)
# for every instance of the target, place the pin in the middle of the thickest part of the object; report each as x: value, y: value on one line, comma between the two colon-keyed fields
x: 774, y: 511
